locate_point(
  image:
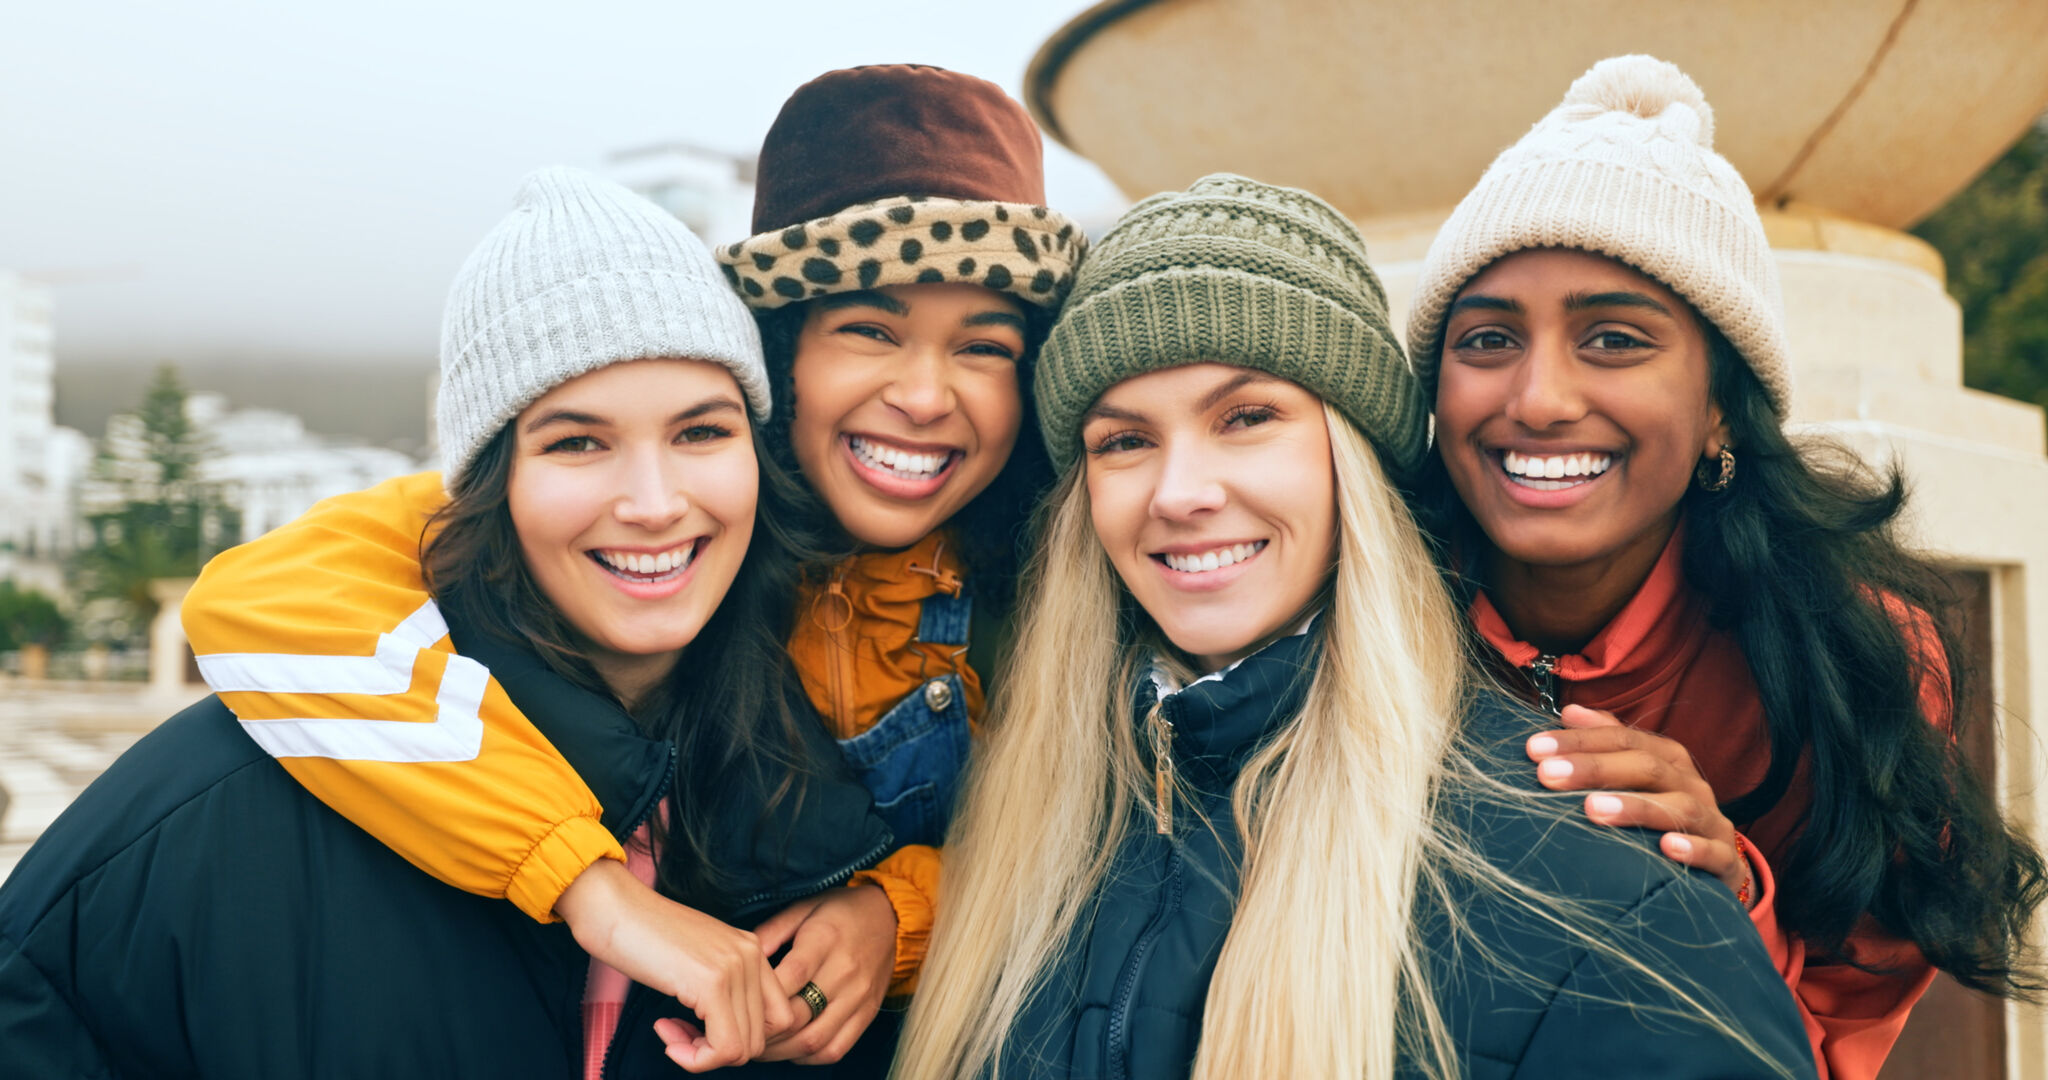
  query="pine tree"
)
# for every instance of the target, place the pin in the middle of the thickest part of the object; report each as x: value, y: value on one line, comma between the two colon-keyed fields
x: 1994, y: 237
x: 152, y: 512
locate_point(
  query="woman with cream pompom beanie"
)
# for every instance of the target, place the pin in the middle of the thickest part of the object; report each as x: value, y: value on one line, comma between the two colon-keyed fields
x: 1740, y: 653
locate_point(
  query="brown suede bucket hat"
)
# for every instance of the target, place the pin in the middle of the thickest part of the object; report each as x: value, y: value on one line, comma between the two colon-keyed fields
x: 902, y: 174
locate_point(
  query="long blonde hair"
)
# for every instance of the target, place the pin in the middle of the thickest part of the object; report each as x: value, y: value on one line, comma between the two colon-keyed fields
x: 1337, y: 814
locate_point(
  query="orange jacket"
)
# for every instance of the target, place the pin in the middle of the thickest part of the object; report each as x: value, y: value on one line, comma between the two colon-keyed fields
x: 1660, y: 667
x: 322, y: 638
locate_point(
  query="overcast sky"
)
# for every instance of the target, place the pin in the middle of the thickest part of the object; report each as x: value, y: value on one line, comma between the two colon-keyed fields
x: 296, y: 183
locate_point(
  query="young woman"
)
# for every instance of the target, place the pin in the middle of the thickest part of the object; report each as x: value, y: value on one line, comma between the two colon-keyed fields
x: 902, y: 268
x: 1743, y: 655
x: 195, y: 912
x: 1241, y: 811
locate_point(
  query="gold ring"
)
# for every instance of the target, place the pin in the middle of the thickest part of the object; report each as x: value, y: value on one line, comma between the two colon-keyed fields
x: 813, y: 997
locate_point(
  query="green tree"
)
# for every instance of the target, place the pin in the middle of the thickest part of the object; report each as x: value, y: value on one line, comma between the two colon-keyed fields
x: 152, y: 512
x: 27, y: 617
x: 1994, y: 237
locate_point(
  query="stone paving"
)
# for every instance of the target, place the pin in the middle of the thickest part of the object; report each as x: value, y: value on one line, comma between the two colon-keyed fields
x: 56, y: 737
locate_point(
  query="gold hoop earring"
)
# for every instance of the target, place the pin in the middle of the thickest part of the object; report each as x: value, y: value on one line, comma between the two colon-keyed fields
x: 1710, y: 481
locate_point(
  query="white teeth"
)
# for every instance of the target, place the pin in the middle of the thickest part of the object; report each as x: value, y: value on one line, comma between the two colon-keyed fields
x: 669, y: 562
x: 1213, y: 560
x: 902, y: 462
x: 1530, y: 467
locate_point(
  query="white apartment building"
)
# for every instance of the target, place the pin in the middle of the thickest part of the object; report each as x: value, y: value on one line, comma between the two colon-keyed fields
x: 40, y: 463
x: 711, y: 191
x: 272, y: 469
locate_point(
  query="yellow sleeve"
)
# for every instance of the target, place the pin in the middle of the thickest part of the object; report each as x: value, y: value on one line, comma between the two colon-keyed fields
x: 323, y: 640
x: 910, y: 877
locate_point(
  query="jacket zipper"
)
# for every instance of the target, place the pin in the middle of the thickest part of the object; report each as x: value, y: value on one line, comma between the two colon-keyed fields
x: 604, y: 1064
x: 1161, y: 730
x: 1127, y: 986
x: 1543, y: 674
x: 837, y: 877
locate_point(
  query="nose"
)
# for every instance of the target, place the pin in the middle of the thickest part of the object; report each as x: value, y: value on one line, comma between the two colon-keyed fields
x: 1546, y: 390
x: 1188, y: 487
x: 922, y: 389
x: 650, y: 489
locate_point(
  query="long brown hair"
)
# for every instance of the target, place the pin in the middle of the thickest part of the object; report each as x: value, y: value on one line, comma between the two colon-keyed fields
x: 731, y: 709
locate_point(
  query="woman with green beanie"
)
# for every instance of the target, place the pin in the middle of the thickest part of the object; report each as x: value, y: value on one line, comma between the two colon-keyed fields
x: 1738, y: 649
x: 1245, y: 809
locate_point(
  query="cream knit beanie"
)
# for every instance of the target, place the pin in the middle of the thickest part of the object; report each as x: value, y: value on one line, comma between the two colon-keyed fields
x: 1626, y: 168
x: 582, y: 274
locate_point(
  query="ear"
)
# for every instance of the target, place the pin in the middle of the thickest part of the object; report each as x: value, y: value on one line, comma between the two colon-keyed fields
x: 1717, y: 431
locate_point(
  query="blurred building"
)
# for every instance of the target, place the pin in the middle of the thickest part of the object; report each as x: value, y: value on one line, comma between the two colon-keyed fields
x: 271, y: 469
x: 710, y: 190
x: 40, y: 463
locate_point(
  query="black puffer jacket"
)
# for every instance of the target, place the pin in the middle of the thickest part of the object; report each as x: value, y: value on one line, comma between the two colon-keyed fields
x: 197, y: 913
x: 1126, y: 998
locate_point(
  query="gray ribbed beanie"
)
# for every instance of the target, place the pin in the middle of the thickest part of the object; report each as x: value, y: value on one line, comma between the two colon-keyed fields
x: 581, y: 274
x: 1624, y: 167
x: 1236, y: 272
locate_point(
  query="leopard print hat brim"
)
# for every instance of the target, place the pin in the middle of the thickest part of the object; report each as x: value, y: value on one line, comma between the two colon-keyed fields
x: 1028, y: 251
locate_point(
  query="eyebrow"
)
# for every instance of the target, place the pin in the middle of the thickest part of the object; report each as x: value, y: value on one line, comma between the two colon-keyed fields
x: 1622, y: 298
x: 995, y: 318
x: 1209, y: 400
x: 703, y: 408
x: 1480, y: 302
x: 862, y: 298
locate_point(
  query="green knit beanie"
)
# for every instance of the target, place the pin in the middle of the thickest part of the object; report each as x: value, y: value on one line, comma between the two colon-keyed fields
x: 1237, y: 272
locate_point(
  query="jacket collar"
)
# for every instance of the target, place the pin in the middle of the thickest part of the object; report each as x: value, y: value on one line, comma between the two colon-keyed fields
x: 1646, y: 642
x: 1221, y: 718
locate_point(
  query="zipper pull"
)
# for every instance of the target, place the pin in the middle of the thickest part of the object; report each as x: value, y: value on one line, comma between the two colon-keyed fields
x: 1162, y: 768
x: 1543, y: 672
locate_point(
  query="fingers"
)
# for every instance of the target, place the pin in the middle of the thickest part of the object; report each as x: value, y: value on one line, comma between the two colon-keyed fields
x: 782, y: 926
x: 1674, y: 813
x: 723, y: 1041
x: 1605, y: 739
x: 747, y: 991
x: 1717, y: 857
x: 1619, y: 770
x: 1579, y: 716
x: 779, y: 1014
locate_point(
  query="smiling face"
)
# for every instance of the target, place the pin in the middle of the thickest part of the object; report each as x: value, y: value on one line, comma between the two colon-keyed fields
x: 907, y: 404
x: 1212, y: 489
x: 1572, y: 407
x: 632, y: 491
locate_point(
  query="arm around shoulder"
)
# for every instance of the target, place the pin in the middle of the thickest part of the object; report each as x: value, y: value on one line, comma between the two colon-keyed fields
x: 323, y: 639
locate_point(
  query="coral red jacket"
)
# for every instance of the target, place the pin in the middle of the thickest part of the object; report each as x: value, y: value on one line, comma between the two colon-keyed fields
x: 1660, y: 667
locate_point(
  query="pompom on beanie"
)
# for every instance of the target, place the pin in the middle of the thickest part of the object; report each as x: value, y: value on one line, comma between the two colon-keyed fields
x: 1237, y: 272
x: 580, y: 275
x: 1624, y: 167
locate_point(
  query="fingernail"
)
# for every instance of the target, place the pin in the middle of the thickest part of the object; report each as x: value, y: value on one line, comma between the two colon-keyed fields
x: 1542, y: 745
x: 1604, y: 805
x: 1555, y: 769
x: 1680, y: 846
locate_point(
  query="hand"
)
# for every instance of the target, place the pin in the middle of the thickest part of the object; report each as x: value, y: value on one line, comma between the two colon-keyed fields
x: 845, y: 941
x: 1664, y: 788
x: 720, y: 972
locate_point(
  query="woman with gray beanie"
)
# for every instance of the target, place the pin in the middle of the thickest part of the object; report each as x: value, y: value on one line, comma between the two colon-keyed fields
x: 1738, y: 649
x: 609, y: 563
x: 1245, y: 810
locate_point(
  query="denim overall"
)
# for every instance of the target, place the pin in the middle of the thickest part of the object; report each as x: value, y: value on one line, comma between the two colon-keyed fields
x: 913, y: 757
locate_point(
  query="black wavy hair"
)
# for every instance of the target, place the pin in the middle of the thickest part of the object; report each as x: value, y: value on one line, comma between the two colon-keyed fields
x: 1796, y: 559
x: 731, y: 708
x: 993, y: 528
